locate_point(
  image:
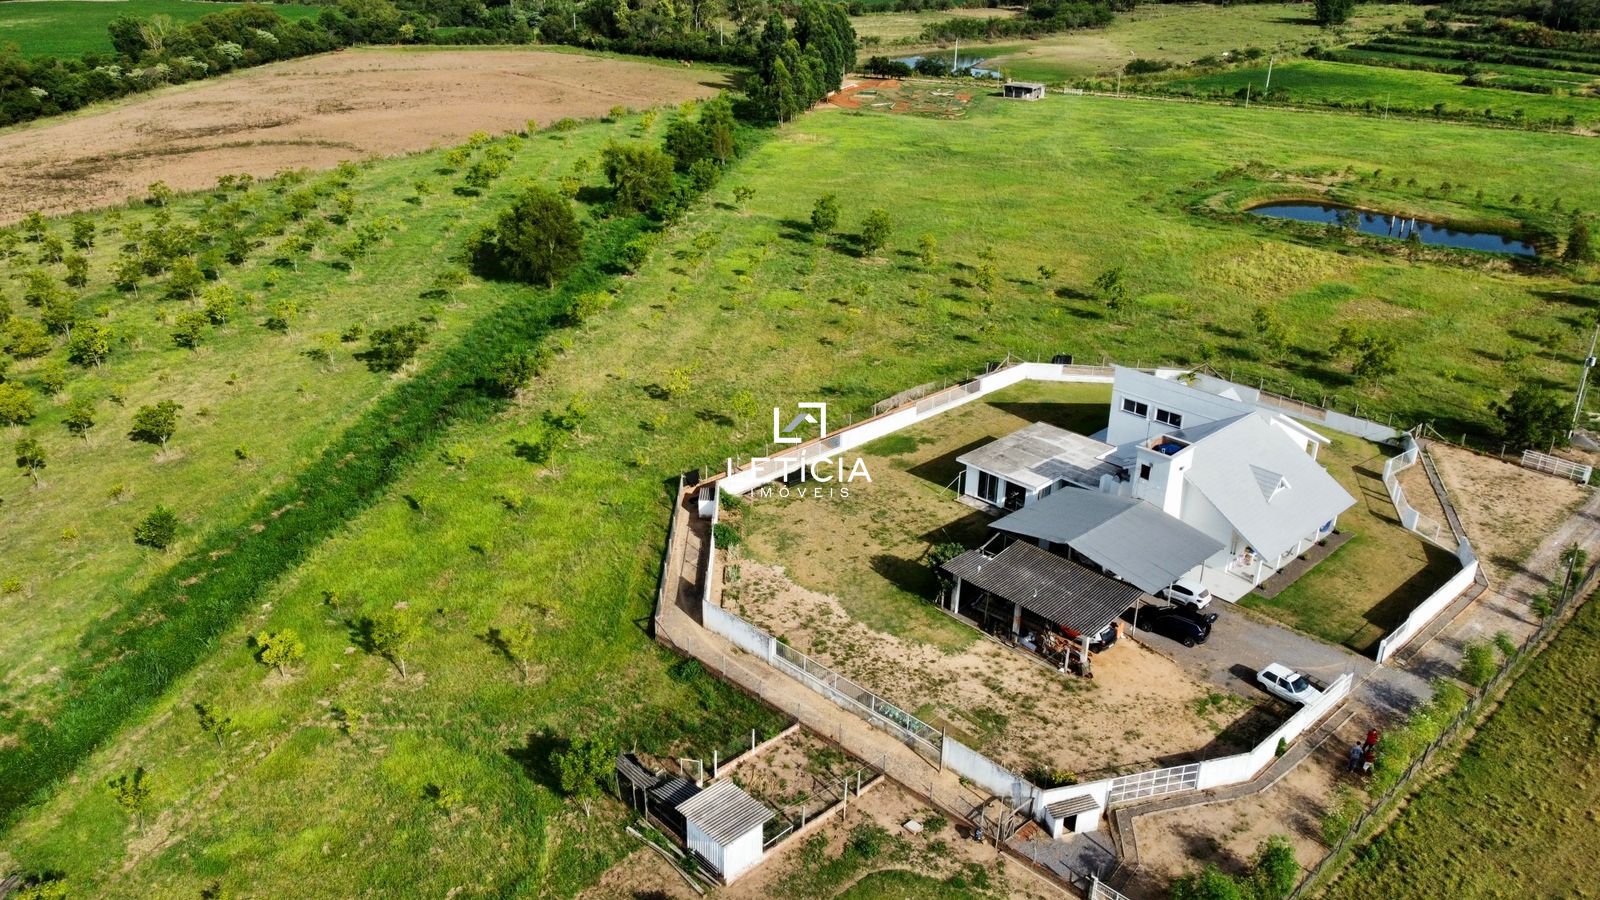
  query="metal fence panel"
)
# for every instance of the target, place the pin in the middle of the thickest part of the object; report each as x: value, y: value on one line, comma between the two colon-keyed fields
x: 1555, y: 465
x: 1154, y: 783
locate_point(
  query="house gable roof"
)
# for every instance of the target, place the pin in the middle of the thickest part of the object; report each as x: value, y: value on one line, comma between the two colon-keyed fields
x: 1270, y: 490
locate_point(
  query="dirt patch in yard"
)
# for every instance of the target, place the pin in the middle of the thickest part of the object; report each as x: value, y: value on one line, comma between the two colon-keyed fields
x: 316, y: 112
x: 1177, y: 842
x: 1141, y: 709
x: 1507, y: 510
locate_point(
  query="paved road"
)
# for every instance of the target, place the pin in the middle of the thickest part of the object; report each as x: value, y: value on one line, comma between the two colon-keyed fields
x: 1241, y: 645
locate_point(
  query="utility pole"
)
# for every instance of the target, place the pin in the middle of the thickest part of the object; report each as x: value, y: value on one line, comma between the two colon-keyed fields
x: 1119, y: 82
x: 1583, y: 380
x: 1247, y: 95
x: 1268, y: 89
x: 955, y: 57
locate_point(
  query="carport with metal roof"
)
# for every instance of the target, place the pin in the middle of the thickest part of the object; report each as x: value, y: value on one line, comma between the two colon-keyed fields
x: 1042, y: 600
x: 1129, y: 538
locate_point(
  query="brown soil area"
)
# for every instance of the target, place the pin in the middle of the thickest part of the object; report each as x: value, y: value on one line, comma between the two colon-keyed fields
x: 315, y: 112
x: 1140, y: 710
x: 1180, y: 841
x: 1507, y: 510
x: 846, y: 97
x: 800, y: 774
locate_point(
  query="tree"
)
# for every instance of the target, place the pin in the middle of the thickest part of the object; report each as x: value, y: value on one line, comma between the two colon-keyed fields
x: 132, y: 792
x: 212, y: 722
x: 59, y: 315
x: 155, y: 424
x: 518, y: 642
x: 77, y: 266
x: 1533, y: 416
x: 1210, y: 884
x: 1271, y: 332
x: 24, y: 338
x: 824, y: 214
x: 82, y: 233
x: 584, y: 766
x: 393, y: 347
x: 157, y: 530
x: 79, y: 417
x: 16, y: 404
x: 391, y: 632
x: 1274, y: 871
x: 875, y: 231
x: 279, y: 649
x: 90, y: 344
x: 537, y: 239
x: 1332, y: 12
x: 1112, y: 288
x: 927, y: 250
x: 30, y: 458
x: 640, y: 176
x: 1580, y: 248
x: 1374, y: 354
x: 186, y: 279
x: 189, y: 327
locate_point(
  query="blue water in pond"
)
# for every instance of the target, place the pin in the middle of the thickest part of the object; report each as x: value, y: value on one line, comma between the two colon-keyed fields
x: 962, y: 62
x: 1383, y: 225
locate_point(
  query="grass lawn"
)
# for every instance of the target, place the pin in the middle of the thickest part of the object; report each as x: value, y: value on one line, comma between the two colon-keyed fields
x: 1369, y: 585
x: 1519, y: 806
x: 439, y: 787
x: 1178, y: 33
x: 870, y: 549
x: 78, y: 27
x: 1319, y: 83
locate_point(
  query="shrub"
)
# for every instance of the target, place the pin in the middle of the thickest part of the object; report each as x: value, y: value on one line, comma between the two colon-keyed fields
x: 158, y: 530
x: 16, y: 404
x: 393, y: 347
x: 725, y: 535
x: 1478, y: 663
x: 640, y: 176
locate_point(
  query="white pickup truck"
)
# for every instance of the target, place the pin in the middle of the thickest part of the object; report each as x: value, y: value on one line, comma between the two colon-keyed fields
x: 1285, y: 682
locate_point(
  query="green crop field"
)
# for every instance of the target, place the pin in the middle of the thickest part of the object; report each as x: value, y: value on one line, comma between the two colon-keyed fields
x: 1519, y: 806
x: 355, y: 491
x: 77, y: 27
x: 1177, y: 33
x: 1350, y: 85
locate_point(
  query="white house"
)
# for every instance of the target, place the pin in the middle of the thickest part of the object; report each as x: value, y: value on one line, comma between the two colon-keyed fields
x: 1030, y: 463
x: 1244, y: 477
x: 1145, y: 405
x: 723, y: 825
x: 1245, y: 482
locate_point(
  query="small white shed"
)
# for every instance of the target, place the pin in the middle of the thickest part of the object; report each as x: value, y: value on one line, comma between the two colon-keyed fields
x: 723, y: 824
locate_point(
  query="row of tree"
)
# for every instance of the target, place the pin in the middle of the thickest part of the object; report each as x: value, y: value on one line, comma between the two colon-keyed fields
x: 797, y: 68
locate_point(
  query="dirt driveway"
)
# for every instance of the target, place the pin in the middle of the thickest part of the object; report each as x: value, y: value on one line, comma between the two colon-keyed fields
x: 316, y: 112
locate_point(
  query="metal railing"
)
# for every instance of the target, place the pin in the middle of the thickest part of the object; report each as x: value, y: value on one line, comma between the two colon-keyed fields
x: 1154, y: 783
x: 1555, y: 465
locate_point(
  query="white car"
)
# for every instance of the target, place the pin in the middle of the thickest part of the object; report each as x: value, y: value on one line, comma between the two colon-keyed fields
x: 1285, y: 682
x: 1187, y: 592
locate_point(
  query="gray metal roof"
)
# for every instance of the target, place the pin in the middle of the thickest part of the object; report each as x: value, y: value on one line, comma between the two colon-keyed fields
x: 1033, y: 85
x: 1141, y: 544
x: 672, y: 792
x: 725, y: 812
x: 1271, y: 491
x: 1070, y: 595
x: 634, y: 772
x: 1071, y: 806
x: 1042, y: 454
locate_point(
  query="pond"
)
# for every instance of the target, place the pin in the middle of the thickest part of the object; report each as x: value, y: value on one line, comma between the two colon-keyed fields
x: 1398, y: 227
x: 961, y: 62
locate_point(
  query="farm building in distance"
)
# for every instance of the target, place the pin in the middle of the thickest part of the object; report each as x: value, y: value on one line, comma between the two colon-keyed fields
x: 1024, y: 90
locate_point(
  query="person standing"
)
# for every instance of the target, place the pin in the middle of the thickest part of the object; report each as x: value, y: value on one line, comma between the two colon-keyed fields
x: 1357, y: 752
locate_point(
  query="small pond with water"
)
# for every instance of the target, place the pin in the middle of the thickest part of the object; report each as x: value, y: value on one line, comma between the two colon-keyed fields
x: 1400, y: 228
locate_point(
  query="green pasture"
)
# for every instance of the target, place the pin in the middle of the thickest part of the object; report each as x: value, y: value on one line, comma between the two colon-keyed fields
x: 1517, y: 805
x: 1348, y: 85
x: 444, y: 784
x: 1176, y: 33
x: 78, y: 27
